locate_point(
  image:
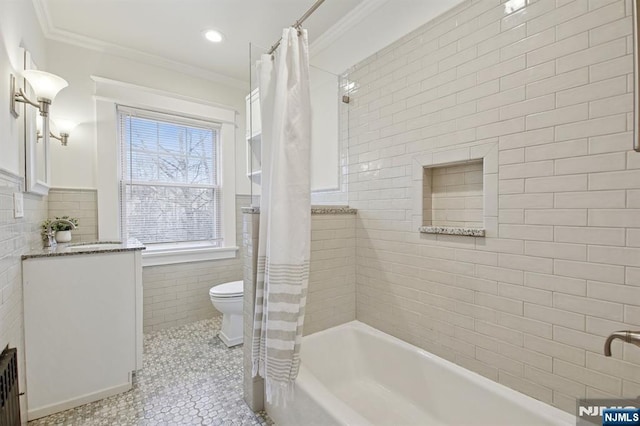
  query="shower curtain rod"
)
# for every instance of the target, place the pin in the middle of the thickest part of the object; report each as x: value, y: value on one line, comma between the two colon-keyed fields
x: 299, y: 22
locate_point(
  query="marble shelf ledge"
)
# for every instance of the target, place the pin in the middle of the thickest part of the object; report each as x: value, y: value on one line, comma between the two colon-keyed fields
x: 450, y: 230
x: 333, y: 210
x: 314, y: 210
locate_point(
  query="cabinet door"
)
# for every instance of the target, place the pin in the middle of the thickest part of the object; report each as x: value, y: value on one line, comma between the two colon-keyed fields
x: 80, y: 328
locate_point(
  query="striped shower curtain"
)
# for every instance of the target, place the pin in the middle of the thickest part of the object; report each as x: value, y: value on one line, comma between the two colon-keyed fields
x: 285, y: 215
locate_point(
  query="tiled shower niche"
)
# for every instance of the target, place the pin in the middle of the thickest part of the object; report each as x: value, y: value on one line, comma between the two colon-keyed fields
x: 453, y: 196
x: 456, y: 191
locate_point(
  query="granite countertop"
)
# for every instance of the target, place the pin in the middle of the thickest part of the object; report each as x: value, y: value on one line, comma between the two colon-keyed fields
x: 95, y: 247
x: 449, y: 230
x: 314, y: 210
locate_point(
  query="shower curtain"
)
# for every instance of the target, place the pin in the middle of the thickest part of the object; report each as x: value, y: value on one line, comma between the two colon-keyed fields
x: 285, y: 215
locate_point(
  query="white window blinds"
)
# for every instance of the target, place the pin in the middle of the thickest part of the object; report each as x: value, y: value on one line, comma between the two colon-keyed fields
x: 169, y: 187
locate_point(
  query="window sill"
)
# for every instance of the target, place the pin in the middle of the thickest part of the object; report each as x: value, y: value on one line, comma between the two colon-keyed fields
x: 154, y: 256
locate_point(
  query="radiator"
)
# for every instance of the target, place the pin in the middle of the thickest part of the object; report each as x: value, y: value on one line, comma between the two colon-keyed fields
x: 9, y: 393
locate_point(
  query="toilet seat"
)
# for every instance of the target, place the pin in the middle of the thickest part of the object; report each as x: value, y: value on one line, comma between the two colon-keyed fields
x: 227, y: 290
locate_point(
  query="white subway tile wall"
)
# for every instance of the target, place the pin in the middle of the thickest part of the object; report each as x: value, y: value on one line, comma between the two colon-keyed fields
x: 79, y: 203
x: 17, y: 237
x: 331, y: 294
x: 551, y: 83
x: 331, y: 297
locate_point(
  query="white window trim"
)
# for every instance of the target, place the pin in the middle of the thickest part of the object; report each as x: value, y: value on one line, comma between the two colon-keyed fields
x: 108, y: 94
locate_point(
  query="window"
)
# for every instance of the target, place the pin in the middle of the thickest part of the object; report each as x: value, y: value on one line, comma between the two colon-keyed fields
x: 208, y: 175
x: 169, y: 186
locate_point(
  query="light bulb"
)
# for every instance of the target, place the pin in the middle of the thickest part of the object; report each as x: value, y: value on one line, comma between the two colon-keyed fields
x: 65, y: 126
x: 44, y: 84
x: 213, y: 36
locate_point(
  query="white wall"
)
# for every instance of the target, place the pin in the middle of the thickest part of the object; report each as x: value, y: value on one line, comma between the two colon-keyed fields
x: 18, y: 28
x: 74, y: 166
x: 325, y: 96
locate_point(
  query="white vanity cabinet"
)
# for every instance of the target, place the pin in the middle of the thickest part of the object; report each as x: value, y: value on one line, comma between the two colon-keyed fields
x: 83, y: 327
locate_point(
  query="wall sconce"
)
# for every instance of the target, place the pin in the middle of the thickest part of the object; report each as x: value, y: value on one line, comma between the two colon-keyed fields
x: 64, y: 127
x: 45, y: 86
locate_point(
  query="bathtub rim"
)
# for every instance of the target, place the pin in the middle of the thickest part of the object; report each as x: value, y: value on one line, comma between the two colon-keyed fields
x: 308, y: 382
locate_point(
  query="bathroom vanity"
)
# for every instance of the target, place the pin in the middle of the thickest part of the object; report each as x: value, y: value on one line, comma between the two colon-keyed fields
x: 83, y: 323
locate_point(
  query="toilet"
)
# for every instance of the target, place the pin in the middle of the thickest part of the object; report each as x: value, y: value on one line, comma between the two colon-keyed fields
x: 227, y: 298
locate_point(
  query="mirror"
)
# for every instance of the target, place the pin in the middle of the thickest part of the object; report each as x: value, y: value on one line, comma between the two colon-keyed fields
x: 36, y: 150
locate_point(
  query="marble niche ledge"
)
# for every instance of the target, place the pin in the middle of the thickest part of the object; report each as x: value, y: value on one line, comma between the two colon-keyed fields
x: 449, y: 230
x: 314, y: 210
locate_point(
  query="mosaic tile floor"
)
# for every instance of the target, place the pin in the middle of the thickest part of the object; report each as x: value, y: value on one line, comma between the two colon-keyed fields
x: 189, y: 377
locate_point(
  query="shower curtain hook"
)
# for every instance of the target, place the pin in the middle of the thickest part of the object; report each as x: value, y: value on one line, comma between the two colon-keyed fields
x: 297, y: 26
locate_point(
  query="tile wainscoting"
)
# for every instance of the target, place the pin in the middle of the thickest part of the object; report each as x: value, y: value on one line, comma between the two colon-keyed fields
x: 179, y: 294
x: 80, y: 203
x: 17, y: 237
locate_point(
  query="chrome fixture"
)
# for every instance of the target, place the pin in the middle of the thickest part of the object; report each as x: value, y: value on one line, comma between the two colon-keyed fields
x: 625, y: 335
x: 45, y: 86
x: 65, y: 127
x: 298, y: 23
x: 63, y: 138
x: 51, y: 234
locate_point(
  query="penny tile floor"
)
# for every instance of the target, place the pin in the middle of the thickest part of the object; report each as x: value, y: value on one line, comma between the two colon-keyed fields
x: 189, y: 377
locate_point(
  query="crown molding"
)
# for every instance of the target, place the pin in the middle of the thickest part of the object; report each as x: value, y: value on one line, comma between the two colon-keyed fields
x: 346, y: 23
x: 137, y: 89
x: 42, y: 13
x: 52, y: 33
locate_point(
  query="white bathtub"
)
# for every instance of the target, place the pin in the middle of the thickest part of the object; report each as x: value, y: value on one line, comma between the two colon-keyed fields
x: 354, y: 374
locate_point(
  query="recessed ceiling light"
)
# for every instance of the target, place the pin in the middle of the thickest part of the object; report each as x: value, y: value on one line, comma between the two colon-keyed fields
x: 213, y: 36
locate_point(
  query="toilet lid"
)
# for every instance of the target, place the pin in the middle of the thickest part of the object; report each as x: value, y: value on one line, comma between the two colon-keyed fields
x: 232, y: 289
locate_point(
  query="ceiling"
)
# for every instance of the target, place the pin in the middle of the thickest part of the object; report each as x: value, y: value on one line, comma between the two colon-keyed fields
x: 170, y: 31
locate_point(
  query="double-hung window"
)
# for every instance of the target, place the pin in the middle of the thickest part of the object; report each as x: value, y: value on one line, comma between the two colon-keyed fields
x: 169, y: 180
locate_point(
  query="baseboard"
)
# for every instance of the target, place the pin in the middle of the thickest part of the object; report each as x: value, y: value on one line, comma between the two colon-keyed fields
x: 76, y: 402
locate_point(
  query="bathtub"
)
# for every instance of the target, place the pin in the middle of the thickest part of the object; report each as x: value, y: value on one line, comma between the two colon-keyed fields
x: 354, y: 374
